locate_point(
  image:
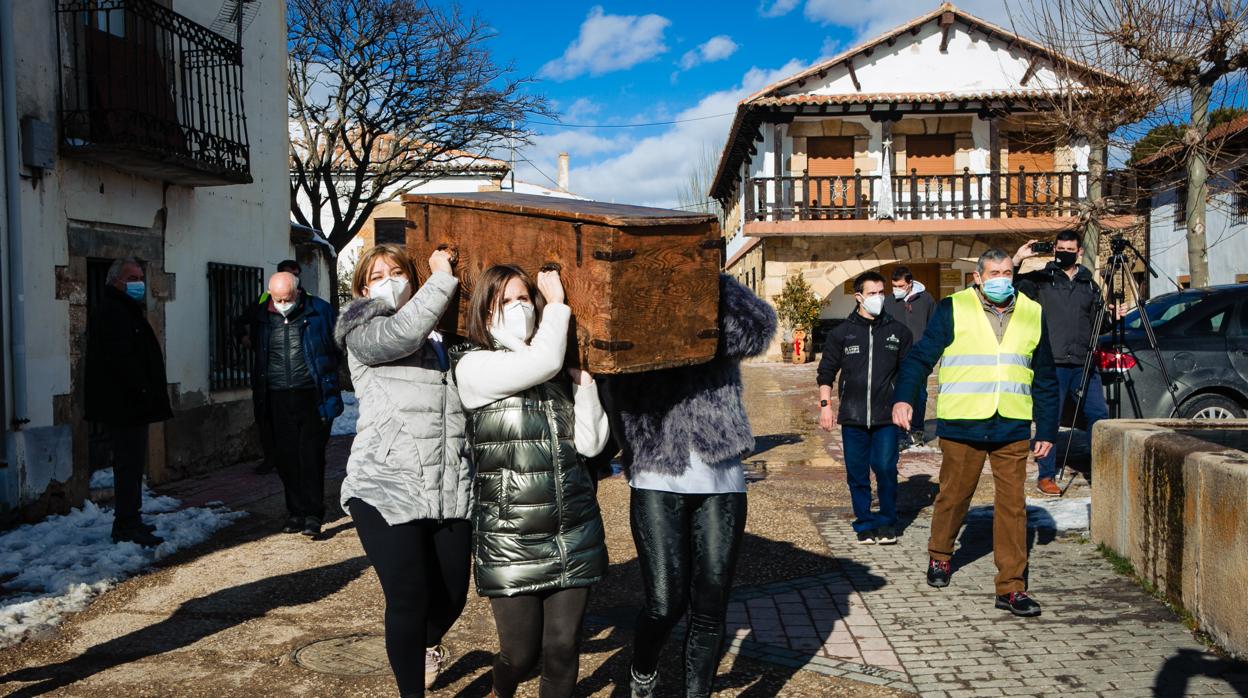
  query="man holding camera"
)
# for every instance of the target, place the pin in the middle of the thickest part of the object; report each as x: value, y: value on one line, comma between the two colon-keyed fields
x: 1070, y: 297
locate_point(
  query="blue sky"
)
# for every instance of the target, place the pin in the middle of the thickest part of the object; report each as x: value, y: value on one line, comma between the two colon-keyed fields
x: 637, y: 62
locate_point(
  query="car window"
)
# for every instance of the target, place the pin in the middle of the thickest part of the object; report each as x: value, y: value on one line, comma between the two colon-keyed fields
x: 1240, y: 329
x: 1163, y: 309
x: 1210, y: 324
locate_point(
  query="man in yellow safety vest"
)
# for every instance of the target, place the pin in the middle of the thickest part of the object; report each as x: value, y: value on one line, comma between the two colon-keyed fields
x: 996, y: 377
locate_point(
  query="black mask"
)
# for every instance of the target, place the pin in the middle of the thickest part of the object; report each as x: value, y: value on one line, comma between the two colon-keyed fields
x: 1066, y: 260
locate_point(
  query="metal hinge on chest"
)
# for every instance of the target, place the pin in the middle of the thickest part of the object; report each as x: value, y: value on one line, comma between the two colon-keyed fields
x: 606, y: 345
x: 614, y: 255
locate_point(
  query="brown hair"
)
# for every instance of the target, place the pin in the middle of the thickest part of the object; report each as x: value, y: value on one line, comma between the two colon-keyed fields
x: 395, y: 253
x: 486, y: 291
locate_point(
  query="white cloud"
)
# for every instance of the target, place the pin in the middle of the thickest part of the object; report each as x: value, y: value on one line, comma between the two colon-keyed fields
x: 717, y: 48
x: 608, y: 43
x: 831, y: 47
x: 651, y: 171
x: 779, y: 8
x: 871, y: 19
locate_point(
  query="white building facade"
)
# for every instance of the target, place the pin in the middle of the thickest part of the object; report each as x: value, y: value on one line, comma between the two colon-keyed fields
x: 1226, y: 214
x: 141, y: 130
x: 922, y: 147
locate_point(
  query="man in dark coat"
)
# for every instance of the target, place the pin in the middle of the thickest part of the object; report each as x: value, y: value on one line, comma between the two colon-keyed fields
x: 866, y: 350
x: 1071, y: 298
x: 912, y: 304
x: 126, y: 390
x: 296, y: 373
x: 242, y: 332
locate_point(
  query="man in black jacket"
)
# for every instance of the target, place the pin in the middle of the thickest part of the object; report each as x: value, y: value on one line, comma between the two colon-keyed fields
x: 126, y: 390
x: 1070, y: 297
x: 866, y: 350
x: 912, y: 304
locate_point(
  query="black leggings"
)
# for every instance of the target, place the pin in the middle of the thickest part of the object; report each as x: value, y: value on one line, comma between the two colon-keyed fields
x: 687, y: 545
x: 546, y: 624
x: 423, y: 568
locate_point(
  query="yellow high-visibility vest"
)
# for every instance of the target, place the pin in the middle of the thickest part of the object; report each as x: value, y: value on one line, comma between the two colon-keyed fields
x: 980, y: 377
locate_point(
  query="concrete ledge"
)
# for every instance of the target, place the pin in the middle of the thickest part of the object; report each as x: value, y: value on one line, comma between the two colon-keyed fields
x: 1171, y: 496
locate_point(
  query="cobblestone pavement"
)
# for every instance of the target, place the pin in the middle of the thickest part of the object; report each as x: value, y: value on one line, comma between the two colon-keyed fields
x: 874, y: 619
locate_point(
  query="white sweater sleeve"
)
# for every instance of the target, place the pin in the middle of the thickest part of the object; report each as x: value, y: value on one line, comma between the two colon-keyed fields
x: 592, y: 429
x: 487, y: 376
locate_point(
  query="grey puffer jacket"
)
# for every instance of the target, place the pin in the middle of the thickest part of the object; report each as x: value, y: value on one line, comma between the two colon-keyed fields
x: 409, y: 459
x: 536, y: 518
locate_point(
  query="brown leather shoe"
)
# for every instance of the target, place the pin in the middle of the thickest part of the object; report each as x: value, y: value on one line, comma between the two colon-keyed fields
x: 1048, y: 487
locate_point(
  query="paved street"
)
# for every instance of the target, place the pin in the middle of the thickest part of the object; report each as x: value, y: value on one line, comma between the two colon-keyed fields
x: 813, y: 614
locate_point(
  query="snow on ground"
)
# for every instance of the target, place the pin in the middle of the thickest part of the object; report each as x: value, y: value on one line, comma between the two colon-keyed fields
x: 1059, y: 514
x: 345, y: 423
x: 59, y: 565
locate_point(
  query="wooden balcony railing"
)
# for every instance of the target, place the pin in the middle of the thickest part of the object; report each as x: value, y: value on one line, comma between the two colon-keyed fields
x: 964, y: 196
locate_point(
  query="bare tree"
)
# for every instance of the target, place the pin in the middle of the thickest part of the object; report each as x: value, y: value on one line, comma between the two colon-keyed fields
x: 1158, y: 57
x: 382, y: 92
x: 692, y: 195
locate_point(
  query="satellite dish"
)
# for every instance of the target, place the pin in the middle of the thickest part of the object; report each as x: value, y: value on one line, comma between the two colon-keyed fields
x: 234, y: 18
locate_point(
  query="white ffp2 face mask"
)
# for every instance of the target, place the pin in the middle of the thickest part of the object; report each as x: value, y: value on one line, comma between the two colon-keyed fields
x: 395, y: 291
x: 874, y: 305
x: 284, y: 308
x: 517, y: 319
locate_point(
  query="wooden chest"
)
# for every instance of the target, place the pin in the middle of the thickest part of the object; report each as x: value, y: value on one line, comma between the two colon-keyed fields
x: 642, y: 282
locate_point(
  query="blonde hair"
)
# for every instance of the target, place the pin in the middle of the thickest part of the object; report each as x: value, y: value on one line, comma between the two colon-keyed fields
x: 395, y: 253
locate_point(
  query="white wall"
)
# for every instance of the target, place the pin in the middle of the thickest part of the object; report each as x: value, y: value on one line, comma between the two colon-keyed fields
x: 1226, y: 236
x: 916, y: 64
x: 241, y: 224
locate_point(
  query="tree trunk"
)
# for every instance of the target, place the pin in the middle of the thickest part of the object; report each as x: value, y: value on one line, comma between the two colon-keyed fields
x: 1096, y: 194
x: 1197, y: 185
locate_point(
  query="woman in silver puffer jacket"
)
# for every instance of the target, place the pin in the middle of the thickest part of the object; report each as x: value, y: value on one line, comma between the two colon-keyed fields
x: 409, y: 477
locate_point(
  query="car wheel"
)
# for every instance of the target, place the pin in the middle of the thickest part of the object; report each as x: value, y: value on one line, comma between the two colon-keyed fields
x: 1211, y: 407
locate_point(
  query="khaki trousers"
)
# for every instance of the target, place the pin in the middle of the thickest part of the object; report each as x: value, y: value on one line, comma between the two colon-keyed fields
x: 959, y: 475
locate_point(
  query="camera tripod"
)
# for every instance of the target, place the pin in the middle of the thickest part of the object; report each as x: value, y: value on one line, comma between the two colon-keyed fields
x: 1117, y: 280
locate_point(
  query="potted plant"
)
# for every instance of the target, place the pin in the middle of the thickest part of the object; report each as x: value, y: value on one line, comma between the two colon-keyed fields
x: 797, y: 308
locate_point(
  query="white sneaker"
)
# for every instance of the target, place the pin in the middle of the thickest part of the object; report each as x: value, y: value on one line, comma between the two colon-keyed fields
x: 434, y: 657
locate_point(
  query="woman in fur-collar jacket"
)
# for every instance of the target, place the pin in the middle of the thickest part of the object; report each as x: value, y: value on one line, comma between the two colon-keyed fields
x: 683, y: 432
x: 409, y: 478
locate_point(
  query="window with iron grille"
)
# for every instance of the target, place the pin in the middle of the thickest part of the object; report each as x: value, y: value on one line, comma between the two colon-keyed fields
x: 232, y: 289
x: 390, y: 231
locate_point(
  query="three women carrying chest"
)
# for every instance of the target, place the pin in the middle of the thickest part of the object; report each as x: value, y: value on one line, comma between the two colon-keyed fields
x: 489, y: 435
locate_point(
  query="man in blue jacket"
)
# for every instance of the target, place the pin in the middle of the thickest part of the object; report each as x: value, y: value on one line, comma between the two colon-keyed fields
x: 296, y: 378
x: 996, y: 377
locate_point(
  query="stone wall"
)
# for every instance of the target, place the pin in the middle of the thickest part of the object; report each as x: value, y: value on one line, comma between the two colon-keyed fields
x: 1169, y: 496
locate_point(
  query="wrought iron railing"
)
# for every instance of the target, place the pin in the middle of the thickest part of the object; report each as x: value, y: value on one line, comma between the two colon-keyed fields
x: 232, y: 290
x: 152, y: 90
x: 914, y: 196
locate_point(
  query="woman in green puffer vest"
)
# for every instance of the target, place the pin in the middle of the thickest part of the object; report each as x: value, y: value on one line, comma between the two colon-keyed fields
x: 539, y: 540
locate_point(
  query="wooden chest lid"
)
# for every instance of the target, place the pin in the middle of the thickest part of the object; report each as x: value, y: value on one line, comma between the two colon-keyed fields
x: 615, y: 215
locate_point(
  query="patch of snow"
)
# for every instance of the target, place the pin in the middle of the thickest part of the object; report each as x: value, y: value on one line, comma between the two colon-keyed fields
x: 60, y: 564
x: 345, y: 423
x: 101, y: 479
x: 922, y: 449
x: 1058, y: 514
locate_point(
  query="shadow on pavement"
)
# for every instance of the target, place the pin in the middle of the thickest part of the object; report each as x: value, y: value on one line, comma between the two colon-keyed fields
x: 615, y: 606
x: 193, y: 621
x: 765, y: 443
x: 1186, y: 664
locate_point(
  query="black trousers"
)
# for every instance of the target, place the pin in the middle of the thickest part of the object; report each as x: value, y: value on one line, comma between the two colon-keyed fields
x: 423, y: 568
x: 545, y: 625
x: 687, y: 545
x: 300, y: 436
x: 129, y: 461
x: 264, y: 431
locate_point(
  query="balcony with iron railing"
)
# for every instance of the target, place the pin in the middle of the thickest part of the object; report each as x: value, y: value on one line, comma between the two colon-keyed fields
x: 152, y: 93
x: 921, y: 197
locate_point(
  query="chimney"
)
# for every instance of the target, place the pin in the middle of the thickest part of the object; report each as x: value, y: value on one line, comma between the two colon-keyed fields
x: 563, y: 171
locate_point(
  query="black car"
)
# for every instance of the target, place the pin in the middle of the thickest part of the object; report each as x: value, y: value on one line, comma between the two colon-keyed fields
x: 1203, y: 337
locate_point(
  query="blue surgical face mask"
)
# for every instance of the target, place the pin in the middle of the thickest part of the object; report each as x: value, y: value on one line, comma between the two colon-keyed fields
x: 999, y: 289
x: 136, y: 290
